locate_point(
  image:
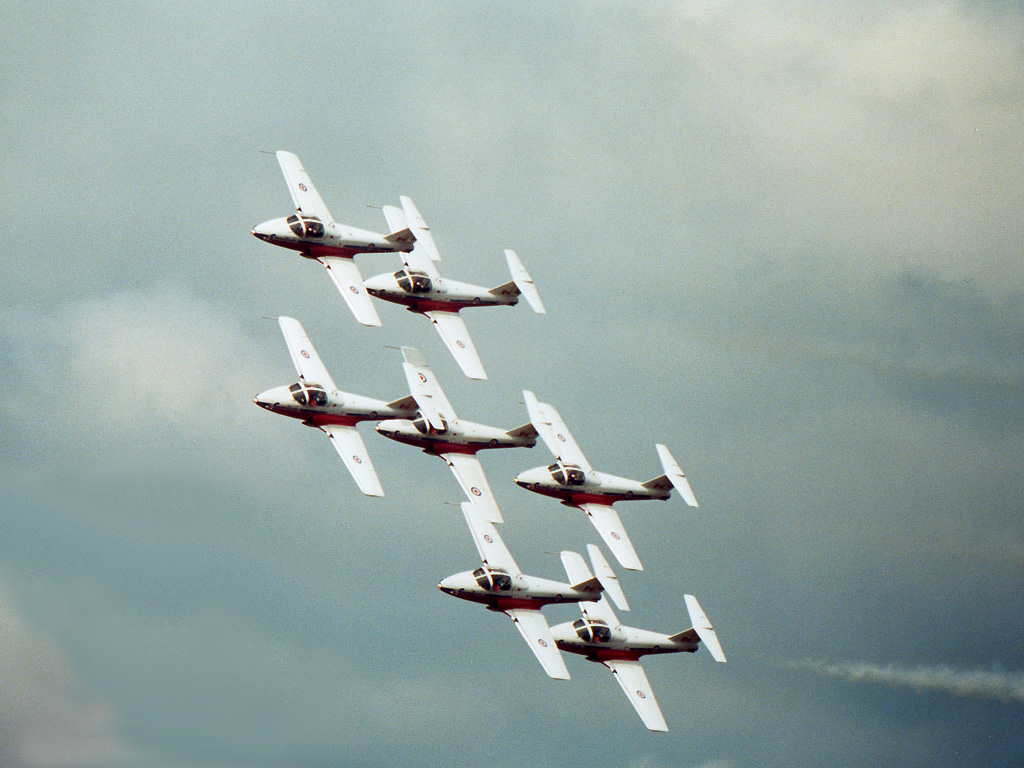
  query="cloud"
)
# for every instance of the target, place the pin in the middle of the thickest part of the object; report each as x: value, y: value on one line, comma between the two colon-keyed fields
x: 46, y: 719
x: 1007, y: 687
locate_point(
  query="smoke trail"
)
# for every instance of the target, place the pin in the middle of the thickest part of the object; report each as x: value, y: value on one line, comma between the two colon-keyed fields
x: 1007, y: 687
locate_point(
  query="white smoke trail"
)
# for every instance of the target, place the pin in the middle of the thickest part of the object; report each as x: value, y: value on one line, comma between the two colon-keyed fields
x: 1007, y: 687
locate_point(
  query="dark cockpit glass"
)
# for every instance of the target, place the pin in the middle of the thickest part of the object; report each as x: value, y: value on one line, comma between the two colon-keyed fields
x: 557, y: 473
x: 309, y: 394
x: 425, y: 428
x: 412, y: 282
x: 493, y: 580
x: 575, y: 476
x: 592, y: 631
x: 567, y: 474
x: 305, y: 226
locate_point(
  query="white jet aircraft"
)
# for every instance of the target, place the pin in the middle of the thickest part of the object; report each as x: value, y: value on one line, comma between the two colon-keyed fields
x: 599, y: 637
x: 577, y: 484
x: 503, y: 587
x: 420, y: 288
x: 437, y: 430
x: 314, y: 233
x: 318, y: 403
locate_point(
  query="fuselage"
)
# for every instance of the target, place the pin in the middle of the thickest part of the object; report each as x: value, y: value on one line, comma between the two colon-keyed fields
x: 316, y: 406
x: 421, y: 293
x: 574, y: 485
x: 314, y: 238
x: 597, y: 641
x: 500, y: 590
x: 457, y: 436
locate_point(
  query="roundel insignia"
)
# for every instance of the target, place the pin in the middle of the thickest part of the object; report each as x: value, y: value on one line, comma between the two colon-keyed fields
x: 542, y: 643
x: 615, y: 535
x: 475, y: 491
x: 353, y: 289
x: 641, y: 694
x: 423, y: 378
x: 487, y: 538
x: 302, y: 186
x: 561, y: 437
x: 459, y: 344
x: 305, y: 354
x: 357, y: 460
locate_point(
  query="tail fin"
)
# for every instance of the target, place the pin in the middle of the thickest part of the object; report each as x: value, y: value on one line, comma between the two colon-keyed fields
x: 524, y: 282
x: 702, y: 629
x: 673, y: 477
x: 607, y: 576
x: 579, y: 575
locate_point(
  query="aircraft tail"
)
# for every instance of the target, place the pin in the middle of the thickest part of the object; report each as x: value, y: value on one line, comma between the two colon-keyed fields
x: 579, y: 575
x: 523, y: 282
x: 702, y: 631
x: 404, y: 239
x: 674, y: 477
x: 407, y: 403
x: 527, y: 432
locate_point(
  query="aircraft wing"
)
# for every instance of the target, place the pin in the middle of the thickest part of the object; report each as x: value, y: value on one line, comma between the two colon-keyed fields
x: 488, y: 542
x: 430, y: 398
x: 554, y: 433
x: 606, y: 520
x: 349, y: 444
x: 307, y: 362
x: 418, y: 258
x: 535, y: 631
x: 419, y: 227
x: 600, y: 610
x: 307, y: 199
x: 345, y: 275
x: 456, y: 337
x: 470, y: 474
x: 631, y: 678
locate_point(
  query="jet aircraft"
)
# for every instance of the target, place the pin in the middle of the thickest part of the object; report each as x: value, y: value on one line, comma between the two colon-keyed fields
x: 421, y: 289
x: 318, y: 403
x: 577, y: 484
x: 314, y: 233
x: 437, y: 430
x: 501, y: 586
x: 599, y: 637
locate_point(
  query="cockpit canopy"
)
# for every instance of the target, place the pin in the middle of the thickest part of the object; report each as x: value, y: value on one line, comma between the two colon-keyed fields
x: 425, y: 427
x: 305, y: 226
x: 567, y: 474
x: 592, y: 630
x: 493, y: 579
x: 413, y: 282
x: 308, y: 394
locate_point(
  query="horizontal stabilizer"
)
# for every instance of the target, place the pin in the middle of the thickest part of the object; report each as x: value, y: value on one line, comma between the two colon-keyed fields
x: 524, y: 282
x: 404, y: 237
x: 675, y: 475
x: 703, y: 628
x: 609, y: 580
x: 526, y: 431
x: 407, y: 403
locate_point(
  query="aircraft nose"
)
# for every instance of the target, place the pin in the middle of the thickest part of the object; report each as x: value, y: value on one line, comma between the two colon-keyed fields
x: 376, y: 284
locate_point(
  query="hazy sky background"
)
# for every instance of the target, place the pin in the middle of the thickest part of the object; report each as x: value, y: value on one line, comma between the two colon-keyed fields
x: 781, y: 237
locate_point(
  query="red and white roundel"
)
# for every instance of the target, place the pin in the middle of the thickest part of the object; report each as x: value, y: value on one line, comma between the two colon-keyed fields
x: 357, y: 460
x: 615, y: 535
x: 475, y: 491
x: 302, y: 186
x: 487, y: 538
x: 305, y: 354
x: 459, y: 344
x: 561, y: 437
x: 640, y: 694
x: 423, y: 378
x: 542, y: 643
x: 353, y: 289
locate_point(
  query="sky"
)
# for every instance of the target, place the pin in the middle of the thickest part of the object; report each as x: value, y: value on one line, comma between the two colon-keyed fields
x: 782, y: 238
